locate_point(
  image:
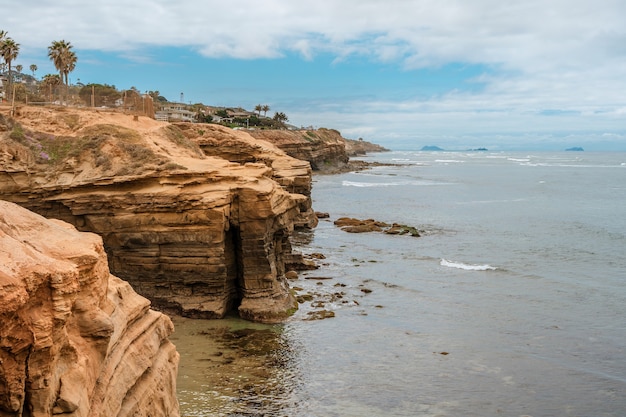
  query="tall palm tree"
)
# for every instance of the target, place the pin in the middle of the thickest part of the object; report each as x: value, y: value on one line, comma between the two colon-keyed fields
x: 33, y: 69
x: 281, y: 118
x: 63, y: 58
x: 258, y: 108
x: 265, y: 109
x: 19, y: 68
x: 9, y: 50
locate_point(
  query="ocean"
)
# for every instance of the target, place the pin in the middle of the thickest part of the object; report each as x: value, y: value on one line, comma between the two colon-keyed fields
x: 512, y: 302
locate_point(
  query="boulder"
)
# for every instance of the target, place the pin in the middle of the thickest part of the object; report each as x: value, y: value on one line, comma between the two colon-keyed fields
x: 76, y: 340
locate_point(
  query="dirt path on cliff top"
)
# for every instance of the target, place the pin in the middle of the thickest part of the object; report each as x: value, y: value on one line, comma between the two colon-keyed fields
x: 68, y: 120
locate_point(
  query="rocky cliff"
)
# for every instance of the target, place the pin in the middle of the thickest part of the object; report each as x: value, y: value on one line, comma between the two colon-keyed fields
x: 197, y: 218
x: 325, y: 149
x: 74, y: 339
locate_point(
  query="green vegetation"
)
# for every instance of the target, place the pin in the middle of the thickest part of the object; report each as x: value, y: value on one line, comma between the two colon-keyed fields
x: 45, y: 147
x: 99, y: 94
x: 177, y: 136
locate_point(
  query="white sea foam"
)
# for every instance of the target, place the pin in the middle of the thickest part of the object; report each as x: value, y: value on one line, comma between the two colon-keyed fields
x: 369, y: 184
x: 388, y: 184
x: 467, y: 267
x: 449, y: 161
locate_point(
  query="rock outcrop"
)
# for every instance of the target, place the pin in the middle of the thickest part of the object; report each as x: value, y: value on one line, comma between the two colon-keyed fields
x: 325, y: 149
x: 196, y: 218
x: 74, y: 339
x: 362, y: 147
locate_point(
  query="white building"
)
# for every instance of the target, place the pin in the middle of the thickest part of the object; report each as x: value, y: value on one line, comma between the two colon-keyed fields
x: 174, y: 112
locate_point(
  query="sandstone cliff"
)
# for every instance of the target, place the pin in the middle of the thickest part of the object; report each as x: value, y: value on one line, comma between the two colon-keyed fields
x: 197, y: 217
x: 325, y: 149
x: 362, y: 147
x: 74, y: 339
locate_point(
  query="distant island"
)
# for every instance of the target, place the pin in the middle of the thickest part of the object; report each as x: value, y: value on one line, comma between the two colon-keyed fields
x: 575, y: 149
x: 478, y: 149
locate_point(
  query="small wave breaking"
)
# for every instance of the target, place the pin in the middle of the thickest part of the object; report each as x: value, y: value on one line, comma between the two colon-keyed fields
x: 467, y: 267
x: 388, y: 184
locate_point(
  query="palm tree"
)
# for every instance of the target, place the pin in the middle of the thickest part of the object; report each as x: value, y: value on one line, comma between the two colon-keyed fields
x: 281, y: 118
x: 265, y: 109
x: 63, y: 58
x: 258, y: 108
x: 3, y: 36
x: 9, y: 50
x: 33, y: 69
x: 19, y: 68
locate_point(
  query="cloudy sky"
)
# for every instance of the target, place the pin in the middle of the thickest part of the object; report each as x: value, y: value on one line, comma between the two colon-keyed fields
x: 529, y: 74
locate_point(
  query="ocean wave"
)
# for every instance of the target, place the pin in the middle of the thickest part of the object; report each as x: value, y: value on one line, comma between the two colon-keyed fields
x: 515, y: 200
x: 449, y: 161
x: 467, y: 267
x: 387, y: 184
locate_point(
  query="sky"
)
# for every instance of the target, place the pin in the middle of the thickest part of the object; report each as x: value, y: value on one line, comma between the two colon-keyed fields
x: 459, y: 74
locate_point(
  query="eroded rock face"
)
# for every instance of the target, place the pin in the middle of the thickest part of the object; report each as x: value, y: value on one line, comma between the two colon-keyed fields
x: 75, y: 340
x: 325, y: 149
x: 198, y: 233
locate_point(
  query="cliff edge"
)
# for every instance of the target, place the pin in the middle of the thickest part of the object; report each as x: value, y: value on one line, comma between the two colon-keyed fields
x: 75, y: 340
x: 195, y: 217
x: 325, y: 149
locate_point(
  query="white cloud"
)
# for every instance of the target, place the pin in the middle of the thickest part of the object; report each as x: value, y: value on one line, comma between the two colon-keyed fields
x: 561, y: 55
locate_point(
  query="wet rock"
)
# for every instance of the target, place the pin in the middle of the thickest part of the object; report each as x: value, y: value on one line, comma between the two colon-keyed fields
x: 291, y: 275
x: 352, y: 225
x: 363, y: 228
x: 402, y: 229
x: 320, y: 315
x: 304, y: 298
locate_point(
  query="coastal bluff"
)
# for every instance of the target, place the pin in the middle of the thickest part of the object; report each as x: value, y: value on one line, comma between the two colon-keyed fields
x: 325, y: 149
x: 196, y: 217
x: 76, y: 340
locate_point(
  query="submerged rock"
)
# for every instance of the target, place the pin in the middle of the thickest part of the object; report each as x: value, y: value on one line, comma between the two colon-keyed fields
x: 352, y: 225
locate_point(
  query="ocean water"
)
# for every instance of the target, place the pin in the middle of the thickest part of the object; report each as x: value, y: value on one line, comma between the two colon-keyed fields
x: 511, y: 303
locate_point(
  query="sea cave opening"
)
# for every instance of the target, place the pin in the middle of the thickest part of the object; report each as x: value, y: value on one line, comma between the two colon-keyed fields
x: 234, y: 268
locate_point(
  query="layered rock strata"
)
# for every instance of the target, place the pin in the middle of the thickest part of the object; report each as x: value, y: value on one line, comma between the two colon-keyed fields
x: 198, y: 233
x: 325, y: 149
x: 74, y: 339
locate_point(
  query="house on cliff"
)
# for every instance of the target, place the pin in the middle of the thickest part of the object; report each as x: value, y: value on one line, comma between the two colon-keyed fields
x: 174, y: 112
